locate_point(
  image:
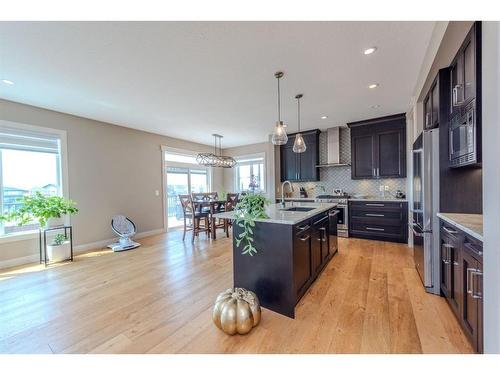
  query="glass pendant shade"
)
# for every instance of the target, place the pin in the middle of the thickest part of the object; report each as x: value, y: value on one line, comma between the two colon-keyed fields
x: 279, y: 135
x: 299, y: 145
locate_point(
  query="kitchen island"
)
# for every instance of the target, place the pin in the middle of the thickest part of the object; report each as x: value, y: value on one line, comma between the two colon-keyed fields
x: 293, y: 244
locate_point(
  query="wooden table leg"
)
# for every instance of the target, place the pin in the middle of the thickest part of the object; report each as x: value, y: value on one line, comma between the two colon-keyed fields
x: 213, y: 220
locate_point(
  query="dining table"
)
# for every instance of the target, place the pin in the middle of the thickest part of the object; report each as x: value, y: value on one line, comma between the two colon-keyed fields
x: 215, y: 207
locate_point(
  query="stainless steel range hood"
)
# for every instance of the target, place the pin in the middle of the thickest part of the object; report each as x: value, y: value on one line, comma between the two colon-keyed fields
x: 333, y: 149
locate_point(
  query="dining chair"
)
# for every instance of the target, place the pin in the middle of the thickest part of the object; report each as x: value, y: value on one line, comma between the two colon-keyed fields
x: 192, y: 218
x: 212, y: 195
x: 231, y: 202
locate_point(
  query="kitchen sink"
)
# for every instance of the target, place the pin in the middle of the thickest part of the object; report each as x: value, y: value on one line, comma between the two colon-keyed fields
x: 302, y: 209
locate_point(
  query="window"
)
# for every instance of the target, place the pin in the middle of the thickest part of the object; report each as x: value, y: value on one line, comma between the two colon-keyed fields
x: 250, y: 174
x: 30, y: 162
x: 184, y: 176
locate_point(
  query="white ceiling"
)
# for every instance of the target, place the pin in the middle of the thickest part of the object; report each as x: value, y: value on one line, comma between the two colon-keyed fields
x: 191, y: 79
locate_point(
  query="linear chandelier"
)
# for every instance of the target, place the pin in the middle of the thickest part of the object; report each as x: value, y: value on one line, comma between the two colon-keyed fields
x: 216, y: 159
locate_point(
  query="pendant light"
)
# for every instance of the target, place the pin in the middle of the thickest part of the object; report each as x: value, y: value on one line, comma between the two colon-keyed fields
x: 216, y: 159
x: 299, y: 145
x: 279, y: 135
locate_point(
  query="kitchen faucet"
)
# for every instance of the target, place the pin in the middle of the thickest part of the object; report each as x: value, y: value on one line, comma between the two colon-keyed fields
x: 283, y: 192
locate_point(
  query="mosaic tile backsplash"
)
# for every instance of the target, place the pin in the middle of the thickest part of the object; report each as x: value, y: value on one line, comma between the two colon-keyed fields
x: 340, y: 177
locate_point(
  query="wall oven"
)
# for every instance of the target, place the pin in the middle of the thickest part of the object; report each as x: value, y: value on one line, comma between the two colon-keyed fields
x: 463, y: 137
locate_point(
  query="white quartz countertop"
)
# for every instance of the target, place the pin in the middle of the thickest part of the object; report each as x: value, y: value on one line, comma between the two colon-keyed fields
x: 298, y: 199
x: 384, y: 199
x: 472, y: 224
x: 280, y: 216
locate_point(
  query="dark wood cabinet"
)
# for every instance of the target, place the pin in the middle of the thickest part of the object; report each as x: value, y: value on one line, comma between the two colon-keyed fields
x: 436, y: 102
x: 450, y: 266
x: 462, y: 282
x: 300, y: 167
x: 378, y: 148
x: 379, y: 220
x: 302, y: 259
x: 465, y: 71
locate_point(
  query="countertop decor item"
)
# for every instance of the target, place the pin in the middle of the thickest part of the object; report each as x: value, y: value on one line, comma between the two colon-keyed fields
x: 249, y: 208
x: 236, y: 311
x: 279, y: 135
x: 216, y: 159
x: 299, y: 145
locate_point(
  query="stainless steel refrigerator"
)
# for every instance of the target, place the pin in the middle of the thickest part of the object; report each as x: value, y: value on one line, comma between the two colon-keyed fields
x: 425, y: 206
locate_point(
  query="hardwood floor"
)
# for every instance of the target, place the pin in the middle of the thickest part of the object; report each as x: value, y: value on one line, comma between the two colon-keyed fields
x: 158, y: 299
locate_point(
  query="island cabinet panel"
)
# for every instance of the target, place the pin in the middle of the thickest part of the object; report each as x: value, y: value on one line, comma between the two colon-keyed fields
x: 462, y: 281
x: 302, y: 259
x: 289, y: 259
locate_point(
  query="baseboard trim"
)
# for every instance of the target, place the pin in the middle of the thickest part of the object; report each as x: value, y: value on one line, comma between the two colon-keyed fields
x: 98, y: 245
x: 19, y: 261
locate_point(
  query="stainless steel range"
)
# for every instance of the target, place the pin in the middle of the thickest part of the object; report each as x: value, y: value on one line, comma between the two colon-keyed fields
x: 343, y: 215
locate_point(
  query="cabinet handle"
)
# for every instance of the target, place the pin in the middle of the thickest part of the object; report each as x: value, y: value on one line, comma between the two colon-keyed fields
x: 450, y: 231
x: 375, y: 204
x: 469, y: 286
x: 303, y: 228
x: 427, y: 119
x: 378, y: 172
x: 376, y: 215
x: 320, y: 220
x: 377, y: 229
x: 304, y: 239
x: 456, y: 101
x: 475, y: 294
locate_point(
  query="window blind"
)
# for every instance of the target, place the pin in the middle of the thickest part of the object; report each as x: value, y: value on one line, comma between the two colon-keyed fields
x: 25, y: 140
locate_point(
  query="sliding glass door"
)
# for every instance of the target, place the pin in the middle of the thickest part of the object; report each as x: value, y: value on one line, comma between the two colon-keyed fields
x: 183, y: 180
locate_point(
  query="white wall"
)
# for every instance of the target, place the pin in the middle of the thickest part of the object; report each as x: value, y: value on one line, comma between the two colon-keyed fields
x: 112, y: 169
x: 491, y: 184
x: 268, y: 149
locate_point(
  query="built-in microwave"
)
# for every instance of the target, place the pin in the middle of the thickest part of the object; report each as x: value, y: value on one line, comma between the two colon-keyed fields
x: 463, y: 142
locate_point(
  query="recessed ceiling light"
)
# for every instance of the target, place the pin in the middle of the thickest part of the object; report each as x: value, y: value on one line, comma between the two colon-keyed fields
x: 370, y: 50
x: 7, y: 82
x: 373, y: 86
x: 324, y: 117
x: 375, y: 106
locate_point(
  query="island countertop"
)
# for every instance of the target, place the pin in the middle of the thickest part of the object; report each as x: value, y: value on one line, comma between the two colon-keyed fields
x: 471, y: 224
x: 278, y: 215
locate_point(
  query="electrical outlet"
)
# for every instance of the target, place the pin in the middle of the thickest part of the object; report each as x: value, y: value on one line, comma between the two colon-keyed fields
x: 381, y: 188
x: 157, y: 193
x: 386, y: 188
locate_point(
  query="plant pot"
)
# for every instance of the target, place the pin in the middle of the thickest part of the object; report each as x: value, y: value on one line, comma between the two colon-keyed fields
x: 56, y: 253
x: 55, y: 222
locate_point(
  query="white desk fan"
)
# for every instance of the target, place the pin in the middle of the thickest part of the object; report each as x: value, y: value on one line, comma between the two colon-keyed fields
x: 125, y: 228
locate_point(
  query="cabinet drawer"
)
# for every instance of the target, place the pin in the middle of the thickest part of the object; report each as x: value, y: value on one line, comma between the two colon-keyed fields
x: 474, y: 247
x: 376, y: 214
x: 375, y: 205
x: 379, y: 230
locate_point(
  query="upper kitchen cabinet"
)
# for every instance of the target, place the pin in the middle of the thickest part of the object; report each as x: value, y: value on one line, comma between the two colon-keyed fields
x: 437, y: 101
x: 465, y: 71
x: 378, y: 147
x: 300, y: 167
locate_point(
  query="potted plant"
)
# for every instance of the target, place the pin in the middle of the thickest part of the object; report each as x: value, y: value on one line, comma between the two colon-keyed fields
x: 42, y: 209
x: 59, y: 249
x: 249, y: 208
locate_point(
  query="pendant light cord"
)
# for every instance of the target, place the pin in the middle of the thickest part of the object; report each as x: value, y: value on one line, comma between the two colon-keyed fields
x: 279, y: 101
x: 298, y: 112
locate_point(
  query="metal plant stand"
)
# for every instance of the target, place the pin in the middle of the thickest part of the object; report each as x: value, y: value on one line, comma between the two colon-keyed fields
x: 43, y: 242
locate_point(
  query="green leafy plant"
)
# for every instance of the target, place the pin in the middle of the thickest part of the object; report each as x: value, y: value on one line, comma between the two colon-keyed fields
x: 249, y: 208
x: 59, y: 239
x: 41, y: 208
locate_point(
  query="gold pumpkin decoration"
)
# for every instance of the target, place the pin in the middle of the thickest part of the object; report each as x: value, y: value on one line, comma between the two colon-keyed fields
x: 236, y: 311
